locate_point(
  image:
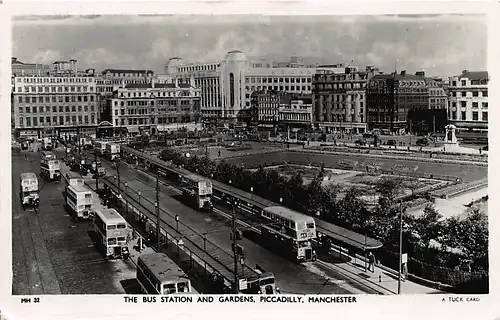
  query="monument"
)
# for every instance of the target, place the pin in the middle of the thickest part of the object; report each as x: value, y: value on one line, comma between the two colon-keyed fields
x: 450, y: 139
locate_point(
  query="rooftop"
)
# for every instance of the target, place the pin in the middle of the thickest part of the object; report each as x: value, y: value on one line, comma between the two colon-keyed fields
x: 156, y: 85
x: 398, y: 76
x: 125, y: 71
x: 474, y: 75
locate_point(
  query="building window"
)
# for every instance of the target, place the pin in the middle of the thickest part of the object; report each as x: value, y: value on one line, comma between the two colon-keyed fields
x: 35, y: 121
x: 485, y: 105
x: 485, y: 93
x: 54, y: 109
x: 464, y: 82
x: 61, y: 120
x: 20, y: 99
x: 475, y: 105
x: 54, y: 119
x: 28, y: 122
x: 34, y: 109
x: 463, y: 104
x: 475, y: 93
x: 475, y: 116
x: 463, y: 116
x: 485, y: 116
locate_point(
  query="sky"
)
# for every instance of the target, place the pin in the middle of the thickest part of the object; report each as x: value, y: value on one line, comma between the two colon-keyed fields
x: 441, y: 45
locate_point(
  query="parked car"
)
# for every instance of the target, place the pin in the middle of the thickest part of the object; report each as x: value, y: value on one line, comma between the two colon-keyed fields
x: 391, y: 142
x: 360, y: 142
x: 423, y: 142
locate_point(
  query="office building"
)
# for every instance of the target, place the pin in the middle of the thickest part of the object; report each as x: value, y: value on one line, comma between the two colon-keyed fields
x: 139, y: 108
x: 20, y: 69
x: 339, y: 99
x: 390, y: 97
x: 54, y: 105
x: 226, y: 86
x: 468, y: 100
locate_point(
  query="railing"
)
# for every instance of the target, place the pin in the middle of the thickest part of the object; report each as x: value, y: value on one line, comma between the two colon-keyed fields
x: 197, y: 245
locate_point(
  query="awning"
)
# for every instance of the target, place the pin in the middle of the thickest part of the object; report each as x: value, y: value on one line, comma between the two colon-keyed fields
x: 133, y: 129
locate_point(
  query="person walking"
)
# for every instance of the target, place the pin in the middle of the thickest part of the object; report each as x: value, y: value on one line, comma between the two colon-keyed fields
x: 371, y: 262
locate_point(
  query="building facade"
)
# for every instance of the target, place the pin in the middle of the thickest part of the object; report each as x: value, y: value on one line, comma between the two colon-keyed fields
x: 468, y: 100
x: 390, y: 98
x: 339, y: 99
x: 153, y: 107
x: 284, y: 110
x: 54, y: 106
x: 20, y: 69
x: 227, y: 85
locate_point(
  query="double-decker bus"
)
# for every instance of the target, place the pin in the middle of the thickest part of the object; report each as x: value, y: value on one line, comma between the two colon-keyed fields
x: 50, y: 169
x: 263, y: 283
x: 49, y: 155
x: 100, y: 147
x: 47, y: 143
x: 113, y: 233
x: 29, y: 189
x: 158, y: 274
x: 73, y: 178
x: 79, y: 201
x: 289, y: 232
x: 197, y: 191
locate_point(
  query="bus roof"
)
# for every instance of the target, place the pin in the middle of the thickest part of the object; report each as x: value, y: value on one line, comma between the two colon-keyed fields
x: 195, y: 177
x: 73, y: 175
x: 48, y: 154
x: 163, y: 267
x: 288, y: 213
x: 79, y: 188
x: 260, y: 276
x: 110, y: 216
x: 28, y: 176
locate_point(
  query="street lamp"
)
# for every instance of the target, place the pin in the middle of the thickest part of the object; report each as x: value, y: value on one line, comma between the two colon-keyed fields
x: 400, y: 245
x: 126, y: 201
x: 281, y: 199
x: 177, y: 222
x: 242, y: 262
x: 139, y: 194
x: 251, y: 193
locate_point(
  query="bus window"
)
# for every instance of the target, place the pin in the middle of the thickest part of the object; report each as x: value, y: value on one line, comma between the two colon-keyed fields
x: 121, y: 238
x: 182, y: 287
x: 169, y: 288
x: 88, y: 196
x: 122, y: 226
x: 266, y: 281
x: 310, y: 225
x: 112, y: 241
x: 111, y: 227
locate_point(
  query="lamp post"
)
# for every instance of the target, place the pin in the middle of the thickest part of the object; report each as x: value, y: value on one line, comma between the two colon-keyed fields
x: 139, y: 195
x: 96, y: 172
x: 251, y: 193
x: 281, y: 199
x: 400, y: 245
x: 177, y: 222
x: 242, y: 262
x: 235, y: 255
x: 157, y: 226
x: 126, y: 201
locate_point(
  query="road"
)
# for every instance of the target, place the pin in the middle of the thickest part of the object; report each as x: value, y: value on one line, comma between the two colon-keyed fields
x: 467, y: 172
x: 51, y: 252
x: 291, y: 277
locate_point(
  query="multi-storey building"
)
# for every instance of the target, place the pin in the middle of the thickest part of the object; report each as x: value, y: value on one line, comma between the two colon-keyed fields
x: 438, y: 97
x: 390, y: 97
x: 226, y: 85
x: 152, y: 107
x: 339, y: 99
x: 273, y: 109
x: 28, y: 69
x: 57, y: 105
x: 468, y: 100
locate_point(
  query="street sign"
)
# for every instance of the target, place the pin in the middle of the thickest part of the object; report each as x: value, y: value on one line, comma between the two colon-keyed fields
x: 404, y: 258
x: 243, y: 284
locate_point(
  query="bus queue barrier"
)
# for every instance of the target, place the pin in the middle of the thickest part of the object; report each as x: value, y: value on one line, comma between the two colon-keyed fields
x: 198, y: 260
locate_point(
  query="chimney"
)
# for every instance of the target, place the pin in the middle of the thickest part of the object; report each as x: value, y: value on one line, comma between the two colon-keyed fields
x: 153, y: 82
x: 420, y: 73
x: 176, y: 81
x: 403, y: 72
x: 13, y: 60
x: 465, y: 71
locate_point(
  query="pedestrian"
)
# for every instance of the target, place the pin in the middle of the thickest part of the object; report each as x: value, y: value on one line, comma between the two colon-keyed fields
x: 371, y: 262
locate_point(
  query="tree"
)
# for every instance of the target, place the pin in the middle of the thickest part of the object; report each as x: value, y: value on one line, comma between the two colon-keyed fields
x: 428, y: 225
x: 389, y: 188
x: 475, y: 236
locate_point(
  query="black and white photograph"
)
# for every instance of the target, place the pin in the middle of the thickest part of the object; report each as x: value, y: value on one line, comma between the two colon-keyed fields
x: 261, y: 158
